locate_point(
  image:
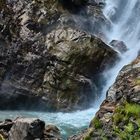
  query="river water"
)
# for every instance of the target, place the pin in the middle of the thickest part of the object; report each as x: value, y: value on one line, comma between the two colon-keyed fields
x: 124, y: 16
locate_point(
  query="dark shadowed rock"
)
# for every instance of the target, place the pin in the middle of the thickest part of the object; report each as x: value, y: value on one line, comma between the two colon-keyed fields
x: 6, y: 125
x: 75, y: 2
x: 62, y: 68
x: 119, y: 46
x: 46, y: 60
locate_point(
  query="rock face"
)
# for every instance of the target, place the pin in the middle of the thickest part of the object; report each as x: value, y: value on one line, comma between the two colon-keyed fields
x: 118, y: 117
x: 28, y: 129
x: 61, y: 74
x: 75, y: 2
x: 46, y: 60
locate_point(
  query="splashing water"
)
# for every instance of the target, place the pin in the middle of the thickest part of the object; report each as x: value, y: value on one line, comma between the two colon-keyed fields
x: 126, y: 28
x: 68, y: 123
x: 124, y: 17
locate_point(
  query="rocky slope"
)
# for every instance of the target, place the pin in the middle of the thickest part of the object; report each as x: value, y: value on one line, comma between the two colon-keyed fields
x: 48, y: 59
x: 119, y: 114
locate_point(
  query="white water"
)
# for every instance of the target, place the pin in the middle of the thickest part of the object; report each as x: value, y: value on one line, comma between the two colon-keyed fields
x: 69, y: 123
x: 125, y: 28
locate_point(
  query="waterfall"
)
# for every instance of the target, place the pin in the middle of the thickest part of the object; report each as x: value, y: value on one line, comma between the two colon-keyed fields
x: 124, y: 16
x: 125, y: 26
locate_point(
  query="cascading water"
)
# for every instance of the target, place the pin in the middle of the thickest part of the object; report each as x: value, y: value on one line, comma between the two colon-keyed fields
x: 124, y: 17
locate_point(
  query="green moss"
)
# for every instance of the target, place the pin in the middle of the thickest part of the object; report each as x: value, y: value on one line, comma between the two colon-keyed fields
x: 138, y: 122
x: 129, y: 128
x: 124, y: 119
x: 132, y: 109
x: 117, y: 118
x: 96, y: 123
x: 87, y: 138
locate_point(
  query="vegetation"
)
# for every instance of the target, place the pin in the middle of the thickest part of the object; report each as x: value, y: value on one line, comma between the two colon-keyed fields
x: 126, y: 121
x: 96, y: 123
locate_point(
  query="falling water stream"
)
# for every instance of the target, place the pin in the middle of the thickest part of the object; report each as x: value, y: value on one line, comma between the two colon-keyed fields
x: 124, y: 16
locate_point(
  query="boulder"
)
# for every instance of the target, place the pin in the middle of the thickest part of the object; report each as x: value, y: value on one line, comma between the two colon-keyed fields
x: 6, y: 125
x: 119, y: 46
x: 25, y: 129
x: 46, y: 61
x: 61, y: 75
x: 28, y: 129
x: 82, y: 56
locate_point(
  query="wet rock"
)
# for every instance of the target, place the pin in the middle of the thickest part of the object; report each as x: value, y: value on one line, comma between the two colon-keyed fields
x: 47, y: 61
x: 6, y: 125
x: 52, y: 132
x: 28, y: 129
x: 119, y: 113
x: 119, y: 46
x: 75, y: 2
x: 42, y: 73
x: 25, y: 128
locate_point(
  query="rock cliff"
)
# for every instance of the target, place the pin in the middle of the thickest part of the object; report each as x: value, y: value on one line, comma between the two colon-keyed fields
x: 49, y: 60
x: 118, y: 116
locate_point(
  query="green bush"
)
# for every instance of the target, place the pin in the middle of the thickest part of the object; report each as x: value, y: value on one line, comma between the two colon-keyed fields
x: 96, y: 123
x: 132, y: 109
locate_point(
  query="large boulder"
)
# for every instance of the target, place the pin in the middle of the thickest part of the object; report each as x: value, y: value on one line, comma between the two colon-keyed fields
x: 61, y: 74
x: 28, y: 129
x: 25, y: 128
x: 46, y: 61
x: 118, y: 116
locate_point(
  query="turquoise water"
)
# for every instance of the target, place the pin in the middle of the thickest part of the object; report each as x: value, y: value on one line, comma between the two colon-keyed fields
x: 68, y: 123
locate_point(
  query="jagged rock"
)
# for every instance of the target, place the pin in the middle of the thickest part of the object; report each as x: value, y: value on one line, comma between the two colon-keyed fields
x: 52, y: 132
x: 25, y: 129
x: 28, y: 129
x: 118, y: 116
x: 55, y: 71
x: 119, y: 46
x: 46, y: 63
x: 6, y: 125
x: 75, y: 2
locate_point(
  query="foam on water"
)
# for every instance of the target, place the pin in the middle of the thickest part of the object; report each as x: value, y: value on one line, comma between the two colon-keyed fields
x: 69, y: 123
